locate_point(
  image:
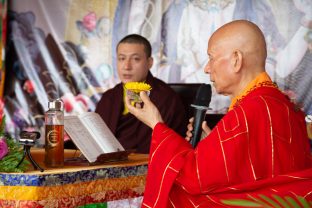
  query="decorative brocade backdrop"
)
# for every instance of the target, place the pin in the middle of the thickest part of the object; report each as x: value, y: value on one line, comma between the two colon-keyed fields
x: 66, y: 48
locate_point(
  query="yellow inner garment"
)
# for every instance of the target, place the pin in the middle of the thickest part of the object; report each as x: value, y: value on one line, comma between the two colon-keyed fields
x: 125, y: 111
x: 261, y: 78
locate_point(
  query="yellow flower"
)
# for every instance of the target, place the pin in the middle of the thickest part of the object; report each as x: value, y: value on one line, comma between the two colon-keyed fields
x: 137, y: 86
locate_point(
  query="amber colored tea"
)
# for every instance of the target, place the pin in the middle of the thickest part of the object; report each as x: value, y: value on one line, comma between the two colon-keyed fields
x: 309, y: 129
x: 54, y: 145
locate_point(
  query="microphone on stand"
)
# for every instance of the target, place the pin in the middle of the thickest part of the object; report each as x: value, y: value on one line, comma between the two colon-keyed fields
x: 201, y: 104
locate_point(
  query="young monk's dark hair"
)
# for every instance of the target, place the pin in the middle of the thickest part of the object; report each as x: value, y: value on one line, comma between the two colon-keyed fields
x: 137, y: 39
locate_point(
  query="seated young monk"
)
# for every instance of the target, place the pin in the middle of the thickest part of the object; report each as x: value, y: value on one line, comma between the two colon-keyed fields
x: 133, y: 64
x: 259, y: 147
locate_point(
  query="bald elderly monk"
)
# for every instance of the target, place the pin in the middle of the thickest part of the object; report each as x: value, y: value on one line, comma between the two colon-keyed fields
x: 259, y: 147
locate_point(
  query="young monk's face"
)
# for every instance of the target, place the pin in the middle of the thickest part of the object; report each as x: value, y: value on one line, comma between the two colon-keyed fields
x: 132, y: 62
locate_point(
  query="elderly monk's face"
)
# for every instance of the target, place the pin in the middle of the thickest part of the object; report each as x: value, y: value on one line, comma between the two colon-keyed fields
x: 237, y: 53
x: 132, y: 63
x: 219, y: 65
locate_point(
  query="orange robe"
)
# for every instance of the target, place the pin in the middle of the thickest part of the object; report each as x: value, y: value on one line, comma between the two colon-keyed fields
x: 259, y: 147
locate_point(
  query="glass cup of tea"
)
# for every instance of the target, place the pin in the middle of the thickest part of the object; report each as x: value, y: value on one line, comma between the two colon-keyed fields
x: 133, y: 90
x: 135, y: 95
x: 308, y: 120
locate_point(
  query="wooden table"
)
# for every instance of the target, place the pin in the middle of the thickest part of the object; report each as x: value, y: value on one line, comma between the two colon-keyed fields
x: 73, y: 186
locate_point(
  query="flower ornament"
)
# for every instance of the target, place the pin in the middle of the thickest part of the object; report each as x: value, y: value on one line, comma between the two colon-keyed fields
x: 29, y: 87
x: 292, y: 96
x: 137, y: 86
x: 68, y: 100
x: 1, y: 110
x: 133, y: 90
x: 11, y: 154
x: 66, y: 137
x: 3, y: 148
x: 78, y: 103
x: 89, y: 21
x: 3, y: 145
x: 10, y: 151
x: 92, y: 26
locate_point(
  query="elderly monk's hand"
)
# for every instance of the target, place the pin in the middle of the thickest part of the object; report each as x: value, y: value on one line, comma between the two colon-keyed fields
x: 148, y: 113
x: 189, y: 133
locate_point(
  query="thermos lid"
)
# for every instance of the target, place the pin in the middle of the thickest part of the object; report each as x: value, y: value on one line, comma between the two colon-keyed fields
x: 56, y: 105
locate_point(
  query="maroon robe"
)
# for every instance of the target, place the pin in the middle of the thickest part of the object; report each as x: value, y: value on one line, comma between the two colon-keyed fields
x: 132, y: 133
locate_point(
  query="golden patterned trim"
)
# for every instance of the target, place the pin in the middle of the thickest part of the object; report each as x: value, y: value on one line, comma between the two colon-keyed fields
x: 173, y: 169
x: 197, y: 169
x: 271, y: 134
x: 168, y: 167
x: 146, y: 205
x: 307, y: 194
x: 171, y: 202
x: 192, y: 202
x: 224, y: 157
x: 295, y: 177
x: 159, y: 145
x: 222, y: 141
x: 235, y: 127
x: 182, y: 186
x: 72, y: 190
x: 288, y: 140
x: 232, y: 188
x: 236, y: 135
x: 260, y: 84
x: 251, y: 197
x: 214, y: 201
x: 289, y: 125
x: 248, y: 138
x: 274, y: 190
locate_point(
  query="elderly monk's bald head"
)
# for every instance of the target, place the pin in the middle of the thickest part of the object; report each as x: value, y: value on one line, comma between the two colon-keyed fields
x: 245, y: 36
x: 237, y: 54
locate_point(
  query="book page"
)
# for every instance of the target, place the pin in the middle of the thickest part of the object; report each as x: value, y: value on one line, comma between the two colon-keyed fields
x: 100, y: 132
x: 82, y: 138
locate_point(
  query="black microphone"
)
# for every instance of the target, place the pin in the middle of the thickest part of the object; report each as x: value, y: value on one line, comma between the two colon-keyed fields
x: 201, y: 104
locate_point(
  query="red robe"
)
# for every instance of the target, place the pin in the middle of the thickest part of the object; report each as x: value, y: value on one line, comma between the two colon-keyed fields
x: 259, y: 147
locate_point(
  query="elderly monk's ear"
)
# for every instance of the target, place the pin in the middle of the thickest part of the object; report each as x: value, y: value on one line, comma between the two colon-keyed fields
x: 237, y: 60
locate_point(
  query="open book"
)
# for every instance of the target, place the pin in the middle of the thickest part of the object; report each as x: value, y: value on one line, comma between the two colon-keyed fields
x: 92, y: 136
